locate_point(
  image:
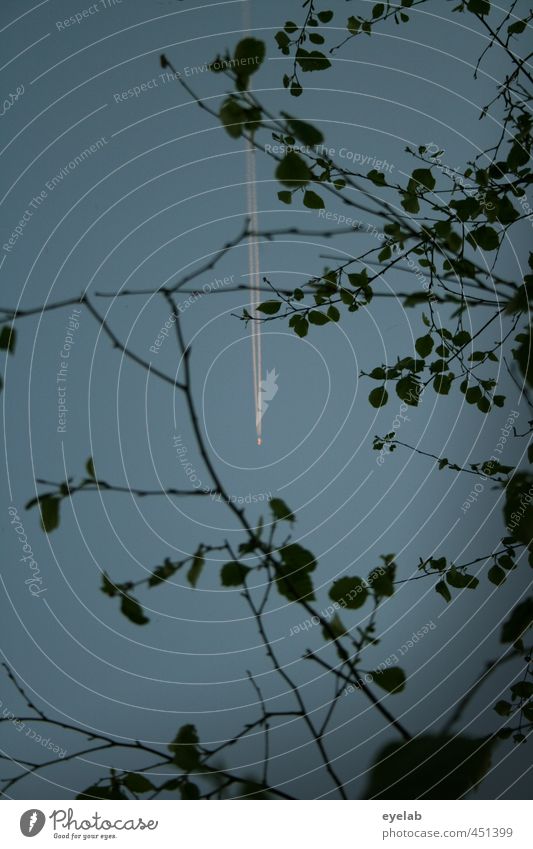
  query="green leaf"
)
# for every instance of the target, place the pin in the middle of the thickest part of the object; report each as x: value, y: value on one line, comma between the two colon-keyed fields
x: 304, y: 132
x: 313, y: 201
x: 285, y: 197
x: 294, y: 584
x: 49, y: 507
x: 333, y: 313
x: 249, y: 56
x: 188, y: 790
x: 423, y: 177
x: 443, y: 590
x: 408, y: 389
x: 378, y: 10
x: 132, y: 610
x: 312, y: 60
x: 410, y: 203
x: 377, y: 177
x: 280, y: 510
x: 89, y: 465
x: 479, y: 7
x: 196, y: 569
x: 424, y: 345
x: 232, y: 117
x: 325, y: 16
x: 522, y: 689
x: 379, y: 396
x: 292, y: 170
x: 353, y: 25
x: 297, y: 557
x: 381, y: 580
x: 185, y: 748
x: 520, y: 621
x: 8, y: 338
x: 496, y: 575
x: 161, y: 573
x: 137, y: 783
x: 484, y: 237
x: 318, y: 318
x: 269, y: 307
x: 350, y: 592
x: 429, y: 767
x: 233, y: 574
x: 503, y: 708
x: 392, y: 680
x: 442, y: 384
x: 299, y: 324
x: 460, y: 580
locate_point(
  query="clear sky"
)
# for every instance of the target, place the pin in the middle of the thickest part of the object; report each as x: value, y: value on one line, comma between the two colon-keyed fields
x: 163, y: 189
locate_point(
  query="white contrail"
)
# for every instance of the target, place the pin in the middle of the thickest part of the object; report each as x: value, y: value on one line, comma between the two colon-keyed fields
x: 253, y: 265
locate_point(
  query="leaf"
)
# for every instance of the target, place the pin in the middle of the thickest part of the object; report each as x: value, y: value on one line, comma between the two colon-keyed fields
x: 298, y: 557
x: 353, y: 25
x: 461, y: 581
x: 313, y: 201
x: 8, y: 338
x: 185, y: 748
x: 381, y: 580
x: 196, y: 569
x: 408, y: 389
x: 232, y: 117
x: 233, y: 574
x: 479, y: 7
x: 520, y: 621
x: 312, y: 60
x: 522, y: 689
x: 351, y: 592
x: 294, y: 584
x: 292, y: 170
x: 97, y: 792
x: 137, y: 783
x: 303, y: 131
x: 292, y: 575
x: 424, y: 345
x: 300, y: 325
x: 503, y: 708
x: 443, y: 590
x: 378, y: 10
x: 392, y: 680
x: 318, y: 318
x: 429, y: 767
x: 442, y: 384
x: 49, y: 507
x: 249, y: 56
x: 423, y: 177
x: 484, y: 237
x: 325, y: 16
x: 496, y: 575
x: 188, y: 790
x: 89, y: 465
x: 269, y: 307
x: 280, y: 510
x: 285, y: 197
x: 132, y: 610
x: 378, y: 397
x: 377, y: 177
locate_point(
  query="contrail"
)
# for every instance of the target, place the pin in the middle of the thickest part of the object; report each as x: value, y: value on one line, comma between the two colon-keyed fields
x: 253, y: 265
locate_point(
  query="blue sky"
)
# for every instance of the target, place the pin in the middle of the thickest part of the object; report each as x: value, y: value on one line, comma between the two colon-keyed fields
x: 163, y: 191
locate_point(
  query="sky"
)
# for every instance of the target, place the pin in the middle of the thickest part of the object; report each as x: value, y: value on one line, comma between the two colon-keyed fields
x: 164, y: 187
